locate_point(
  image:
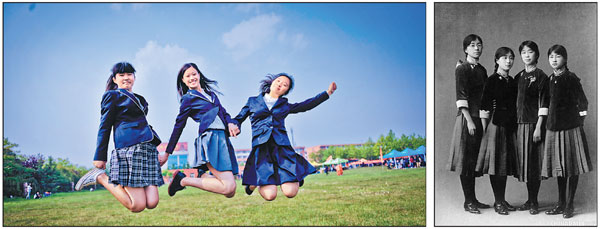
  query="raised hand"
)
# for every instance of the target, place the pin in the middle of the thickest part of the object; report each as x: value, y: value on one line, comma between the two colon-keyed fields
x: 332, y: 88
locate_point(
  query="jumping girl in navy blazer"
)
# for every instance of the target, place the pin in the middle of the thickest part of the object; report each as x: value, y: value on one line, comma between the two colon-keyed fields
x: 273, y: 161
x: 135, y: 172
x: 532, y: 83
x: 466, y: 138
x: 566, y: 154
x: 213, y: 148
x: 497, y: 153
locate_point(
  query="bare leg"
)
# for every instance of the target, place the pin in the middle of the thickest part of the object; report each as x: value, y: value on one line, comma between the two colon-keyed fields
x: 133, y: 199
x: 151, y: 196
x: 222, y: 182
x: 268, y: 192
x: 138, y: 198
x: 290, y: 189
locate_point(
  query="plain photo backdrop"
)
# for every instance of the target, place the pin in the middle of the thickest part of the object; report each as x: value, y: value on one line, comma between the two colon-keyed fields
x: 573, y: 25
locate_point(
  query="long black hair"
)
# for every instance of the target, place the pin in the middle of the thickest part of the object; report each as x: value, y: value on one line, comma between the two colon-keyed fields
x: 560, y: 50
x: 533, y: 46
x: 205, y: 83
x: 468, y: 39
x: 121, y: 67
x: 265, y: 85
x: 502, y: 51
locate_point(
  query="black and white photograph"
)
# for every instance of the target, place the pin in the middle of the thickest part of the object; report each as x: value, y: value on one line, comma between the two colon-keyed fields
x: 515, y: 114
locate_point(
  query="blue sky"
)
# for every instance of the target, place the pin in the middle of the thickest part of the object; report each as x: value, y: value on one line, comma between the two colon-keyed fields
x: 57, y: 58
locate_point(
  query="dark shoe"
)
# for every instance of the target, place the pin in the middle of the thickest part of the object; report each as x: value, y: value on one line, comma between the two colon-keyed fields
x: 568, y: 212
x: 534, y: 209
x: 558, y: 209
x: 175, y: 185
x: 301, y: 183
x: 508, y: 206
x: 481, y: 205
x: 471, y: 208
x: 500, y: 208
x: 248, y: 190
x: 201, y: 172
x: 525, y: 206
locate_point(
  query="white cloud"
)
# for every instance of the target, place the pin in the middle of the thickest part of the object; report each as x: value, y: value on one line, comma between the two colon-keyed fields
x: 157, y: 65
x: 116, y: 6
x: 250, y: 35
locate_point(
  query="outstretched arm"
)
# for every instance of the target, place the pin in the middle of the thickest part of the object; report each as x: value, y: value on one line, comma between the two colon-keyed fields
x: 313, y: 102
x: 180, y: 121
x: 244, y: 113
x: 107, y: 120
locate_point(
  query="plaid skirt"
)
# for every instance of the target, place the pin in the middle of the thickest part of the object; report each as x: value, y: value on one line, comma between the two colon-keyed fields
x: 529, y: 153
x: 464, y: 147
x: 498, y: 152
x: 136, y: 166
x: 566, y: 153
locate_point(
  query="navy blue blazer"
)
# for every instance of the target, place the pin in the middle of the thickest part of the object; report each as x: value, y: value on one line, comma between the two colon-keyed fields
x: 201, y: 110
x: 126, y: 113
x: 267, y: 123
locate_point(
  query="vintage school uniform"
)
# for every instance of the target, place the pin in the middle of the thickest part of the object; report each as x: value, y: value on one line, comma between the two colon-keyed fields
x: 566, y: 152
x: 470, y: 79
x: 212, y: 144
x: 497, y: 153
x: 272, y: 160
x: 134, y: 162
x: 531, y: 86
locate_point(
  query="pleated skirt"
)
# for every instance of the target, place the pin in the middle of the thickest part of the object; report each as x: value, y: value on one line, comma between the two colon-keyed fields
x: 566, y: 153
x: 464, y: 147
x: 273, y: 164
x: 213, y: 147
x: 498, y: 153
x: 529, y: 153
x: 136, y: 166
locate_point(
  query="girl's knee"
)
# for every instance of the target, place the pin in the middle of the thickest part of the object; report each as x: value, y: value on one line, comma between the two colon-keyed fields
x: 229, y: 189
x: 137, y: 208
x: 152, y: 204
x: 269, y: 196
x: 291, y: 194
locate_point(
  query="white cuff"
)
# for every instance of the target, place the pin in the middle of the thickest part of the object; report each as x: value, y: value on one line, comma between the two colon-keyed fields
x: 582, y: 113
x: 543, y: 112
x: 484, y: 114
x: 462, y: 103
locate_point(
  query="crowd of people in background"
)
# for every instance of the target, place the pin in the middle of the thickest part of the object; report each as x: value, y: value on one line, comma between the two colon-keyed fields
x: 416, y: 161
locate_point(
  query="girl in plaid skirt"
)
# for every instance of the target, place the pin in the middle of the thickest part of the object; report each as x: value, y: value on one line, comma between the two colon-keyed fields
x: 134, y: 168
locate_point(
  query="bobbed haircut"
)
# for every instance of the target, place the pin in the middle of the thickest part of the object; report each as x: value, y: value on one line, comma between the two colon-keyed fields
x: 121, y: 67
x: 205, y: 83
x: 560, y: 50
x: 469, y: 38
x: 533, y: 46
x: 500, y: 52
x: 265, y: 85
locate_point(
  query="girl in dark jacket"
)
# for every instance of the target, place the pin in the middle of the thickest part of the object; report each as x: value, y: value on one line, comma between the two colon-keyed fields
x: 213, y: 148
x: 273, y: 161
x: 497, y: 153
x: 566, y: 154
x: 134, y: 167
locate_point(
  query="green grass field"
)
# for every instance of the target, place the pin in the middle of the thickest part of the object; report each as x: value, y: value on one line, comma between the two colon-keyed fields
x: 361, y: 197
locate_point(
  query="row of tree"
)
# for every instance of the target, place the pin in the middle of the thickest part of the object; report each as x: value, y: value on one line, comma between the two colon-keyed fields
x: 370, y: 150
x: 43, y: 173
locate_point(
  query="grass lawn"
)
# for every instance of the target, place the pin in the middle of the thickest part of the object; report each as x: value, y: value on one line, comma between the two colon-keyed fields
x: 361, y: 197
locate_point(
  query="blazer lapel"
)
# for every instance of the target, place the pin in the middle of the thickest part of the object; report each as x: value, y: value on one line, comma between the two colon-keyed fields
x: 131, y: 96
x: 198, y: 94
x: 262, y: 102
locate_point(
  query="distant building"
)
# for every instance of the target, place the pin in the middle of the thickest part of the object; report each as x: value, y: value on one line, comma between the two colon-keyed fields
x: 314, y: 149
x: 179, y: 158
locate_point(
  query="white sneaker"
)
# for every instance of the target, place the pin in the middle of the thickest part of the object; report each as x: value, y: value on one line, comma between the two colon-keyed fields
x: 89, y: 178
